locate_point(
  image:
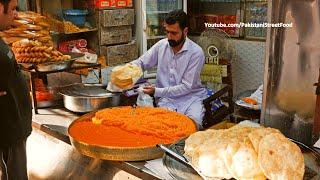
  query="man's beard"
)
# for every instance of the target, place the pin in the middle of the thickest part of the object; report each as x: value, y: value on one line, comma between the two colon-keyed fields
x: 174, y: 43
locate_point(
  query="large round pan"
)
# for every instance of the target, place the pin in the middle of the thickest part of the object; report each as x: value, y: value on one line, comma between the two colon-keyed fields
x: 110, y: 152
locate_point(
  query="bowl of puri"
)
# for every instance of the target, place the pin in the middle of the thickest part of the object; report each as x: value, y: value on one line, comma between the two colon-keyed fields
x: 128, y: 133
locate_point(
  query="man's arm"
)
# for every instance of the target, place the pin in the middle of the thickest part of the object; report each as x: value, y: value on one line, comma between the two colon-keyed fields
x: 149, y: 59
x: 189, y: 79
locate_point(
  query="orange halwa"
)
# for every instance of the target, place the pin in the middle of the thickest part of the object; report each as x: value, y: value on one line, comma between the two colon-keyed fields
x: 133, y: 127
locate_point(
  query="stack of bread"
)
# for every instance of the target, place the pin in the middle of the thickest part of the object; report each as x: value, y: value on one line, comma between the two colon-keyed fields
x: 125, y: 76
x: 245, y: 153
x: 28, y: 51
x: 28, y: 25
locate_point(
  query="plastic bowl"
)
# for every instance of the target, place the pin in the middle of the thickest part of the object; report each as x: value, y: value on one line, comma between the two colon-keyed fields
x: 76, y: 16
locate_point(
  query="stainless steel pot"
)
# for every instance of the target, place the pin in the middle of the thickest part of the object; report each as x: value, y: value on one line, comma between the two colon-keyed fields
x: 84, y: 98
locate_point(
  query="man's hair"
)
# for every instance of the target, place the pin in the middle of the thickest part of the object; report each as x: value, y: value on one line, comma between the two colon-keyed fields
x: 177, y: 16
x: 5, y: 4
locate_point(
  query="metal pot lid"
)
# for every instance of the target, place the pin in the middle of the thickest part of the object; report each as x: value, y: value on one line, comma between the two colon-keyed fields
x: 85, y: 90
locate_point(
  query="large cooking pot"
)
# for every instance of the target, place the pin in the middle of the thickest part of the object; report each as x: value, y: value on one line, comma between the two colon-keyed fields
x: 84, y: 98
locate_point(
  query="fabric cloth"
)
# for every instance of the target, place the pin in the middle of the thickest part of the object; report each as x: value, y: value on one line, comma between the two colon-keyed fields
x: 13, y: 161
x: 15, y: 106
x: 178, y: 84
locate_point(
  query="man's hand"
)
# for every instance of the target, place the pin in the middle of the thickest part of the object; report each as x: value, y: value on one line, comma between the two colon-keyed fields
x: 149, y: 89
x: 3, y: 93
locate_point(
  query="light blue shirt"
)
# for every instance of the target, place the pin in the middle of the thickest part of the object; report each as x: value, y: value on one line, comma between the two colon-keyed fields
x: 178, y: 75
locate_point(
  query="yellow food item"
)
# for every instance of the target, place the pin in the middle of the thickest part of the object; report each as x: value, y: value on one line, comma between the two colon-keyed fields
x: 28, y: 25
x: 245, y: 153
x: 256, y: 135
x: 125, y: 76
x: 279, y: 158
x: 27, y: 51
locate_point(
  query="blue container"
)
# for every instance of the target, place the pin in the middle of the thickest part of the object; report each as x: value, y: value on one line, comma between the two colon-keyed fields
x: 76, y: 16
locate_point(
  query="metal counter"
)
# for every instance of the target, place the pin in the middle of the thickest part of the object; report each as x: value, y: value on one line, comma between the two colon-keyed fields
x: 50, y: 155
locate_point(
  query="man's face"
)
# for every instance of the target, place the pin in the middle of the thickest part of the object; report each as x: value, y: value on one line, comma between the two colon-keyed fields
x: 175, y: 34
x: 6, y: 19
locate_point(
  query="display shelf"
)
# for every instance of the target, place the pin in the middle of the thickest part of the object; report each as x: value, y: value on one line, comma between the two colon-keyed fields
x: 84, y: 31
x: 155, y: 37
x: 158, y: 12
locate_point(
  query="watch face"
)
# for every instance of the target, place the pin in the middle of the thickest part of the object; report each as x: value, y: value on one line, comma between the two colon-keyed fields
x: 131, y: 92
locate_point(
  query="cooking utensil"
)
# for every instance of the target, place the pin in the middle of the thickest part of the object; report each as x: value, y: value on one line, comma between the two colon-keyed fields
x: 88, y: 97
x: 182, y: 159
x: 53, y: 66
x: 111, y: 152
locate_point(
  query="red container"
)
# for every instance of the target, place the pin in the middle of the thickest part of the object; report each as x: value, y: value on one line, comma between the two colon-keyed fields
x: 123, y: 3
x: 105, y: 4
x: 68, y: 45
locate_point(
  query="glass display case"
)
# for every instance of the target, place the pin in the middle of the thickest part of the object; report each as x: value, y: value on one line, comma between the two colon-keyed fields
x: 224, y: 12
x: 256, y: 12
x: 154, y: 12
x: 214, y: 12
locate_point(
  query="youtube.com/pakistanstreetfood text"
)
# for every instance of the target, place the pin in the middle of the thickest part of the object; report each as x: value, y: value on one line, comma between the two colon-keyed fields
x: 241, y: 24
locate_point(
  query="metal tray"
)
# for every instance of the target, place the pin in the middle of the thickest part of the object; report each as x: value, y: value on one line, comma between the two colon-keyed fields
x: 113, y: 153
x: 179, y: 170
x: 53, y: 65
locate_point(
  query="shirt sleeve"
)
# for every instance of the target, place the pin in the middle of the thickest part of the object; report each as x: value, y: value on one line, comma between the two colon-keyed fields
x: 189, y: 79
x: 149, y: 59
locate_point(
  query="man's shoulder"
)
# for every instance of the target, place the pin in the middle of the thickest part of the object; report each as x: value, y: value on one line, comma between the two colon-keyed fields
x: 195, y: 48
x: 162, y: 42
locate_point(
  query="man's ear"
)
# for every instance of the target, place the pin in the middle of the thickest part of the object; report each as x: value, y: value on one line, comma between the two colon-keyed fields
x: 186, y: 30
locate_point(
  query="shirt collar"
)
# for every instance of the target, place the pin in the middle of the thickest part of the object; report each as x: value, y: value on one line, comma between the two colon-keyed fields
x: 184, y: 47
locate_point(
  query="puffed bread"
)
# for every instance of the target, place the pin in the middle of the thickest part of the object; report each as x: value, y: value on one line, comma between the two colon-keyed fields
x: 279, y: 158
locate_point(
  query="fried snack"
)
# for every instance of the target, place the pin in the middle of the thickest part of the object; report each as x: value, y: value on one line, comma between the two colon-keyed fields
x: 125, y: 76
x: 69, y: 27
x: 10, y: 40
x: 245, y: 153
x: 256, y: 136
x: 280, y: 158
x: 31, y: 17
x: 27, y: 51
x: 196, y: 139
x: 28, y: 25
x: 206, y: 156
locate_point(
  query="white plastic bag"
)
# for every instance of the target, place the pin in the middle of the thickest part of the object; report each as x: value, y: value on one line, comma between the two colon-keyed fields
x: 144, y: 99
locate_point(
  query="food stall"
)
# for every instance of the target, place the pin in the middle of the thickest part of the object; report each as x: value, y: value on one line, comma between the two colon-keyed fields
x: 67, y: 143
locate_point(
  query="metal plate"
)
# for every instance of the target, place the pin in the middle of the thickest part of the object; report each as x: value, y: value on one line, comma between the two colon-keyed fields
x: 113, y: 153
x: 53, y: 65
x: 181, y: 171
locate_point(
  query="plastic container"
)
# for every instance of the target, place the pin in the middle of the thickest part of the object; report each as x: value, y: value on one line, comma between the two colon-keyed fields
x: 76, y: 16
